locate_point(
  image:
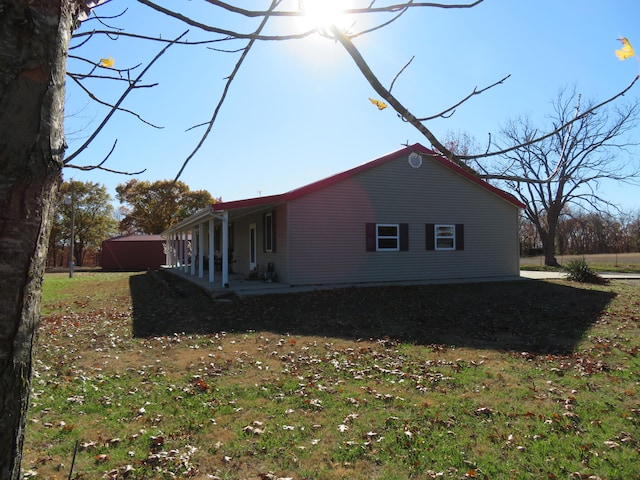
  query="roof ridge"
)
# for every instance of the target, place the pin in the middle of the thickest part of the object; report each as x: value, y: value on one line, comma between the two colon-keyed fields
x: 298, y: 192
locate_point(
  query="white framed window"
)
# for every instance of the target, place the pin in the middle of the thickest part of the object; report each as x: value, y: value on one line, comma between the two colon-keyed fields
x: 445, y: 237
x: 387, y: 237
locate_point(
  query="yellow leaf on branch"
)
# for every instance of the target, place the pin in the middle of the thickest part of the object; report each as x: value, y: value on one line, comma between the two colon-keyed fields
x: 378, y: 103
x: 626, y: 51
x: 107, y: 62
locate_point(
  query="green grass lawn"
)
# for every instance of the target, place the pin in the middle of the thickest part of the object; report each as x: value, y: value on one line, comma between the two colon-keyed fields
x: 150, y: 379
x: 602, y: 262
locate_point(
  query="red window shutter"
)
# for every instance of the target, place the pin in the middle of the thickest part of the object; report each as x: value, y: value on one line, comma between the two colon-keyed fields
x: 459, y: 236
x: 430, y: 235
x: 265, y: 232
x: 273, y: 232
x: 404, y: 237
x: 269, y: 232
x: 371, y: 237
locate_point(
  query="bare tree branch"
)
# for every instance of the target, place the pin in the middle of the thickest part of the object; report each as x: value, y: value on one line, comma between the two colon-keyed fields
x: 559, y: 129
x: 230, y: 79
x: 451, y: 110
x: 382, y: 25
x: 221, y: 31
x: 101, y: 102
x: 400, y: 73
x: 388, y: 96
x: 407, y: 116
x: 99, y: 166
x: 101, y: 19
x: 120, y: 100
x: 114, y: 34
x: 95, y: 65
x: 397, y: 8
x: 388, y: 8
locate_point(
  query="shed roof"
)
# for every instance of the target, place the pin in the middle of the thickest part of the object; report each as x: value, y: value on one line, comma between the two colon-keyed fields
x: 312, y: 187
x: 136, y: 238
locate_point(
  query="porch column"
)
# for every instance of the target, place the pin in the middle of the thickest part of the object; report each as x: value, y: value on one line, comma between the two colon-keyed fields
x: 167, y: 251
x: 211, y: 251
x: 225, y: 248
x: 184, y: 251
x: 201, y: 250
x: 176, y: 249
x: 193, y: 251
x: 174, y: 254
x: 176, y: 242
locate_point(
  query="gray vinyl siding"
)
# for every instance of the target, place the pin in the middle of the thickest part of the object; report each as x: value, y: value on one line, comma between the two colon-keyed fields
x: 326, y: 229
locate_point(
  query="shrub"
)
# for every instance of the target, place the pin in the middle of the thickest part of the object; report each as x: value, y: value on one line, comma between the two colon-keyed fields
x: 580, y: 271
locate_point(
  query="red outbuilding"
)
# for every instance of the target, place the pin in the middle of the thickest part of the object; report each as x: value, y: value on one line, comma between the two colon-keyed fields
x: 133, y: 252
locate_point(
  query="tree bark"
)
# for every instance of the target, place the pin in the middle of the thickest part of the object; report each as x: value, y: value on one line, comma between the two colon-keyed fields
x: 34, y: 39
x: 549, y: 249
x: 548, y: 235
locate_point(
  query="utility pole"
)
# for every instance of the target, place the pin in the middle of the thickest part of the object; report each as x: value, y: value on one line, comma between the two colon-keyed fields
x: 73, y: 227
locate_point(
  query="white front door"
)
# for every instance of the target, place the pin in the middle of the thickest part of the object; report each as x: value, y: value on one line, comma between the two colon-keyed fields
x: 252, y: 247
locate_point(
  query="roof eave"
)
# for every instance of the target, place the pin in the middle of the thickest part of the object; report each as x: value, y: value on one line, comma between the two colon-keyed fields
x: 198, y: 217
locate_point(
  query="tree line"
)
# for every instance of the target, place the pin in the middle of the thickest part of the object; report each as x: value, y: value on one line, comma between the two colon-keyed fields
x: 583, y: 232
x: 85, y: 212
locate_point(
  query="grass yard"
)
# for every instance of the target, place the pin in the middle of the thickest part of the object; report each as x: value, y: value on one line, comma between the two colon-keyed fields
x: 151, y: 379
x: 601, y: 262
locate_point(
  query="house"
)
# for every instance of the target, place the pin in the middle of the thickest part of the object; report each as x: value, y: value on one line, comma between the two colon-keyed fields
x: 410, y: 215
x: 133, y: 252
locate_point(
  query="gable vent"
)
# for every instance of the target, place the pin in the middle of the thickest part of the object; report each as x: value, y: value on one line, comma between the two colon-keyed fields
x: 415, y: 160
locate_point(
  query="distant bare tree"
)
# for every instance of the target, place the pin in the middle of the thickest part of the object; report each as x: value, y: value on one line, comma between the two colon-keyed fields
x: 576, y: 158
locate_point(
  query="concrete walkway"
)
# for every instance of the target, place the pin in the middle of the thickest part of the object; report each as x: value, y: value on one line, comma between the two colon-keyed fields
x: 541, y: 275
x: 240, y: 287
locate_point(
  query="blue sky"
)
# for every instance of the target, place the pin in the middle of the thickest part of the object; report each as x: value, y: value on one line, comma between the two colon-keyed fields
x: 298, y: 111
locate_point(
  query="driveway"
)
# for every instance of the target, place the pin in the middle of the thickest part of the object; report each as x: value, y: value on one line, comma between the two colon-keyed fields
x: 540, y: 275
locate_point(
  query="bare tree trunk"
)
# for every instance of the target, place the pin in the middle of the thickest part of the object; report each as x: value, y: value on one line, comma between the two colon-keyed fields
x: 78, y: 253
x: 34, y: 38
x: 549, y: 249
x: 548, y: 236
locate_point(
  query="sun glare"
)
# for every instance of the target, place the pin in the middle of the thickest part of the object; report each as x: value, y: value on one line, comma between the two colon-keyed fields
x: 322, y: 14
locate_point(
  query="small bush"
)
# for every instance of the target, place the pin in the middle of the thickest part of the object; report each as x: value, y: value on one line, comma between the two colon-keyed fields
x: 580, y: 271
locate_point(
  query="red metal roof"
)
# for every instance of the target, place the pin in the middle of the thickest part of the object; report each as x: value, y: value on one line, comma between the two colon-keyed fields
x: 312, y: 187
x: 136, y: 238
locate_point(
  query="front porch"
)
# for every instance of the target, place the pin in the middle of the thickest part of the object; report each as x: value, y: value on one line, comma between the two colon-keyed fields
x: 193, y: 248
x: 203, y: 248
x: 237, y: 284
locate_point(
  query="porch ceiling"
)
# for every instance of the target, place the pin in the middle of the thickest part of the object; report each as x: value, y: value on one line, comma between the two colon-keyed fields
x: 188, y: 223
x: 239, y: 212
x: 210, y: 212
